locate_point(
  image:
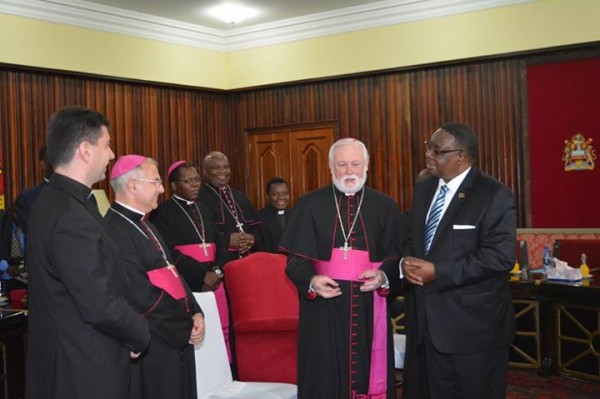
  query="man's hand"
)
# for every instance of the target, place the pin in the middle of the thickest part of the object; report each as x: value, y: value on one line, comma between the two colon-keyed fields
x: 211, y: 281
x: 243, y: 242
x: 418, y: 271
x: 198, y: 331
x: 246, y: 242
x: 325, y: 287
x: 373, y: 279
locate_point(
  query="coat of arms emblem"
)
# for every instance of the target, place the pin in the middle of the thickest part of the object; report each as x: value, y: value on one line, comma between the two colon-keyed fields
x: 579, y: 153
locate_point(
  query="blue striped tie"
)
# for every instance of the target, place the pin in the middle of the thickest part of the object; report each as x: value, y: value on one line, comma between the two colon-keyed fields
x: 434, y: 217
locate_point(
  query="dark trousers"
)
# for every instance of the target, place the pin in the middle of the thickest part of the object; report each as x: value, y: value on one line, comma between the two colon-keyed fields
x: 460, y: 376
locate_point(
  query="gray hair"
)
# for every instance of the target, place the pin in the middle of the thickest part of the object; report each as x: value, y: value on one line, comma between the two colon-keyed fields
x: 212, y: 155
x: 347, y: 141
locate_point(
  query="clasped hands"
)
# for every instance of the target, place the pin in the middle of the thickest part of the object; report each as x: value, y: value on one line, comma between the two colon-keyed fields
x: 243, y: 242
x: 418, y: 271
x: 327, y: 287
x: 196, y: 336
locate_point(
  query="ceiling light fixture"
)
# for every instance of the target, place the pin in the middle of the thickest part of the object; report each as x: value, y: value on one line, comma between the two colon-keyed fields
x: 232, y: 13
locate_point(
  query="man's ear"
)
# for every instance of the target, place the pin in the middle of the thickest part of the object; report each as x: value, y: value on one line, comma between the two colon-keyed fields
x: 84, y: 151
x: 131, y: 185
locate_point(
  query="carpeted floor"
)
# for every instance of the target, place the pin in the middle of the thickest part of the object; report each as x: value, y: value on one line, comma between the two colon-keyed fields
x: 526, y: 384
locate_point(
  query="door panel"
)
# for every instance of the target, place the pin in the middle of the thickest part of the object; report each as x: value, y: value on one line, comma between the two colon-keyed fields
x: 298, y: 154
x: 310, y: 166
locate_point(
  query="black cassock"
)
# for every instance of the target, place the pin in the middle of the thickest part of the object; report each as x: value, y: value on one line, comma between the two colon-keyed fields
x: 176, y: 229
x: 167, y: 368
x: 272, y: 227
x: 224, y: 220
x: 329, y: 328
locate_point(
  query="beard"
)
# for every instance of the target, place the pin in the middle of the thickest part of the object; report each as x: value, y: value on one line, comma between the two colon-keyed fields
x: 340, y: 184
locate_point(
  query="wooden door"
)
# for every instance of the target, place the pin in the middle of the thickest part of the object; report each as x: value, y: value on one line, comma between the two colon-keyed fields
x: 296, y: 153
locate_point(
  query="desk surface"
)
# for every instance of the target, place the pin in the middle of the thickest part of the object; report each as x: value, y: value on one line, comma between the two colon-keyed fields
x: 10, y: 318
x: 535, y: 286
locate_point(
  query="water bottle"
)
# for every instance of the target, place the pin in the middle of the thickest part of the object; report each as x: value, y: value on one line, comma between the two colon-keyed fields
x: 547, y: 262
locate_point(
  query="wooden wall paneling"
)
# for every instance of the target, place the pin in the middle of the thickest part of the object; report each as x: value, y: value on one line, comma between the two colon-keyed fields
x: 485, y: 96
x: 163, y: 122
x: 393, y: 112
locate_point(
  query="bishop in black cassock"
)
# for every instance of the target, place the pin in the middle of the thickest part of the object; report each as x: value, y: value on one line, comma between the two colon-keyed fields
x: 167, y: 368
x: 231, y: 209
x: 336, y: 334
x: 184, y: 221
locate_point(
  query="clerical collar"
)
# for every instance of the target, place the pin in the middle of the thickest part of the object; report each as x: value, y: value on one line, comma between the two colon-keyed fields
x: 183, y: 200
x: 340, y: 192
x: 281, y: 211
x: 142, y: 214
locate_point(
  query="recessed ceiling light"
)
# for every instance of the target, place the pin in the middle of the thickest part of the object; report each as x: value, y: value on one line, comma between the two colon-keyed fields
x: 232, y: 13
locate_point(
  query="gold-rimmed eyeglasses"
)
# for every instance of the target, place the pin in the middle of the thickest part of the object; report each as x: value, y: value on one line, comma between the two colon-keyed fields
x: 154, y: 182
x: 437, y: 152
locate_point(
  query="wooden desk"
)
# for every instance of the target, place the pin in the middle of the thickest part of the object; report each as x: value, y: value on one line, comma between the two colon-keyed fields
x: 558, y: 326
x: 13, y: 327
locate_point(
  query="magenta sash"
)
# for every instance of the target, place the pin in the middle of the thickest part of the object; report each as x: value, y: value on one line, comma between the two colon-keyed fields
x: 349, y: 269
x: 196, y: 251
x: 168, y: 279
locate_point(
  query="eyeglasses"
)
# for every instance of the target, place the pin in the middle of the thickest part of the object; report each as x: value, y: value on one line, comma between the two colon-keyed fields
x: 191, y: 180
x: 154, y: 182
x: 436, y: 152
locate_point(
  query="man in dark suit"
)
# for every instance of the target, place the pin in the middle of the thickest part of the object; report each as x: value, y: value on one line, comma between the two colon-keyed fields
x: 82, y: 332
x: 460, y: 319
x: 25, y: 200
x: 12, y: 250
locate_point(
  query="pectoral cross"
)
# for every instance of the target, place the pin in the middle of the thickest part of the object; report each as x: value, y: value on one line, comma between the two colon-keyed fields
x: 173, y: 270
x: 203, y: 245
x: 239, y: 226
x: 345, y: 249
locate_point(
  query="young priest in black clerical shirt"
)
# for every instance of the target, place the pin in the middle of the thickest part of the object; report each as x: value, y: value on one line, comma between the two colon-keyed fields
x: 275, y: 215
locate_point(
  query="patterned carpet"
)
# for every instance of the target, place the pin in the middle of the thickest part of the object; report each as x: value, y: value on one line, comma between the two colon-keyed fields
x: 526, y: 384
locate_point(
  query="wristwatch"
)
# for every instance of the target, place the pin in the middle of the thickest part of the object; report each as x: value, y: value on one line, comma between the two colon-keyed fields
x: 217, y: 270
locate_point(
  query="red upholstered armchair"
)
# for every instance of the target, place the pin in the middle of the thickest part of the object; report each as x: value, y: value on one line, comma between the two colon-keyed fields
x: 264, y: 307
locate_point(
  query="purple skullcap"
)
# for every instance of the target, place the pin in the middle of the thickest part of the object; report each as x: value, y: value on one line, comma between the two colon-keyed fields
x: 125, y: 164
x: 174, y: 166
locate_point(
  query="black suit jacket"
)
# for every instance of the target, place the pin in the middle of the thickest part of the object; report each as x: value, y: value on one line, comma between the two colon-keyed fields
x: 24, y: 203
x: 5, y: 234
x: 81, y: 328
x: 468, y: 307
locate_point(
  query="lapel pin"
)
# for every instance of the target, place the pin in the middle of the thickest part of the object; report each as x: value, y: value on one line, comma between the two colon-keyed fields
x: 461, y: 195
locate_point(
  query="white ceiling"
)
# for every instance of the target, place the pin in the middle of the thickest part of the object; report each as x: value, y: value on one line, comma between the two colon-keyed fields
x: 186, y: 22
x: 196, y: 11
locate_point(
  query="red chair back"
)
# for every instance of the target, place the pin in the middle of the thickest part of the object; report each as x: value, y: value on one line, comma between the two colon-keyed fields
x: 264, y: 307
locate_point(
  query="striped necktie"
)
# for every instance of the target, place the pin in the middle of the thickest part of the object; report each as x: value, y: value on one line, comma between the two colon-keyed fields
x: 16, y: 251
x: 434, y: 217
